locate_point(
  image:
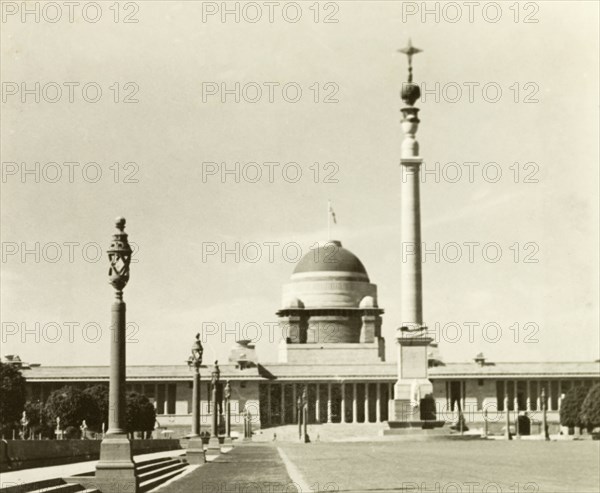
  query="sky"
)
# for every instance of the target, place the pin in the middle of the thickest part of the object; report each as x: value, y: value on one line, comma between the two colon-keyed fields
x: 512, y: 262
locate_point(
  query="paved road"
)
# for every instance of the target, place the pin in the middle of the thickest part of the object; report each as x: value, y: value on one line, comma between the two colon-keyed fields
x: 248, y: 468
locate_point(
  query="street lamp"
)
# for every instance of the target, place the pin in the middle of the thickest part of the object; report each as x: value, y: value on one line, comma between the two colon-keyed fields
x: 195, y: 451
x: 116, y: 469
x: 227, y: 396
x: 302, y: 404
x: 545, y: 433
x: 213, y: 443
x: 194, y: 362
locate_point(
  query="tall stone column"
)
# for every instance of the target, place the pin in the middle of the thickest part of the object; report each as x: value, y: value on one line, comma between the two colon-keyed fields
x: 343, y: 404
x: 378, y: 403
x: 317, y: 406
x: 282, y: 403
x: 354, y: 404
x: 269, y: 407
x: 366, y: 402
x: 115, y: 470
x: 329, y: 407
x: 294, y: 407
x: 412, y: 338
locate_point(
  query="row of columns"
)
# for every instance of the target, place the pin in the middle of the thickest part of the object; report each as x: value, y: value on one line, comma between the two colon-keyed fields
x: 547, y: 384
x: 532, y: 393
x: 296, y: 392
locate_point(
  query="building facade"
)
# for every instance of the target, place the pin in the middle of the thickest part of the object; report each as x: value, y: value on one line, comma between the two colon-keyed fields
x: 333, y: 348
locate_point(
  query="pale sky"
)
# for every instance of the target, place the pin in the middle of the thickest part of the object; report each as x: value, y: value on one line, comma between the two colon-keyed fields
x: 173, y: 213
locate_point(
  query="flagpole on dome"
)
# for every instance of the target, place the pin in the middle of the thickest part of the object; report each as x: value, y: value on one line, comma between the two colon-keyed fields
x: 328, y: 220
x: 330, y: 216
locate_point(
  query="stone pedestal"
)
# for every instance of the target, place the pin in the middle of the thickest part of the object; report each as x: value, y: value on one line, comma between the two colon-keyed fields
x: 404, y: 406
x: 195, y: 451
x: 214, y: 446
x: 227, y: 442
x: 115, y: 471
x: 413, y: 384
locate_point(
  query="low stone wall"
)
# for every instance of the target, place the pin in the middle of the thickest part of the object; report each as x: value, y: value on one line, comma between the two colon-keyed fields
x: 23, y: 454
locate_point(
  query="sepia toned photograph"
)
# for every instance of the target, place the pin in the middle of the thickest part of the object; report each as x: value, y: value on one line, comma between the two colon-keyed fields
x: 299, y: 246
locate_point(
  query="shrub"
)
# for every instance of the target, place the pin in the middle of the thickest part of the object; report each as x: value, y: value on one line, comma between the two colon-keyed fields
x: 99, y: 396
x: 141, y: 415
x: 590, y: 409
x: 570, y: 408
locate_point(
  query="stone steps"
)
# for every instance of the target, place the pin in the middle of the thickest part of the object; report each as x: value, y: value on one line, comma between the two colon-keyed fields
x: 153, y: 473
x: 321, y: 432
x: 49, y: 486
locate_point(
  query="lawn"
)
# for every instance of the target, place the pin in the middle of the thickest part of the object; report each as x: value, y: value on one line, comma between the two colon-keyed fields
x: 448, y: 467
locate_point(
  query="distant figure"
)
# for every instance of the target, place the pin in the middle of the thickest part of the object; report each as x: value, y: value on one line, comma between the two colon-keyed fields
x: 83, y: 429
x: 274, y: 436
x: 58, y: 431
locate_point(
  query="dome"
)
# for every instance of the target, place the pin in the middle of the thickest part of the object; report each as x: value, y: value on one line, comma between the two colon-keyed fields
x: 330, y: 257
x: 293, y: 303
x: 367, y: 302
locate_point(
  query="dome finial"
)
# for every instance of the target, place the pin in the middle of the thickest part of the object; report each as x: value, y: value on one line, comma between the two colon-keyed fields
x: 410, y: 92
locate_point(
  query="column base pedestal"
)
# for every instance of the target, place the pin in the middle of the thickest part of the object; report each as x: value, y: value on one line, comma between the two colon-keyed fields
x: 214, y: 446
x: 227, y: 442
x: 406, y: 406
x: 195, y: 452
x: 115, y: 471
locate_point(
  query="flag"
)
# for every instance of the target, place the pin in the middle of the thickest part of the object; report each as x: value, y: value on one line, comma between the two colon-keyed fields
x: 332, y: 213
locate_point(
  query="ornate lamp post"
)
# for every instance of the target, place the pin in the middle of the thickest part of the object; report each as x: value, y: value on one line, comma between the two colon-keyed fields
x: 545, y: 433
x: 300, y: 414
x: 116, y: 469
x: 227, y: 396
x: 517, y: 431
x: 213, y: 443
x: 507, y: 433
x: 305, y: 414
x: 195, y: 451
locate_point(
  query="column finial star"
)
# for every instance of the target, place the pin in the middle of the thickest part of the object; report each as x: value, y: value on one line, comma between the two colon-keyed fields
x: 409, y: 51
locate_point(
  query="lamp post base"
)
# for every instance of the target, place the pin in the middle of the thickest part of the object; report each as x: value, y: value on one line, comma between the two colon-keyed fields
x: 115, y: 471
x: 195, y: 452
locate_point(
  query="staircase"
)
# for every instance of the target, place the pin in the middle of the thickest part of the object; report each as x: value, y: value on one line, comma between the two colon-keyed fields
x: 153, y: 473
x: 326, y: 432
x: 48, y: 486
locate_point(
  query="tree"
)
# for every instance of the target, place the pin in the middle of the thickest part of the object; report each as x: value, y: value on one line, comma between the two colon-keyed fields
x: 71, y: 405
x: 570, y: 407
x: 12, y: 401
x: 590, y: 409
x: 38, y: 421
x: 141, y: 414
x: 99, y: 395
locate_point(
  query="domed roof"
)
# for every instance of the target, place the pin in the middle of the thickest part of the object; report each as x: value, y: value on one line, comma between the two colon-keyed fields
x: 330, y: 256
x: 368, y: 302
x: 293, y: 303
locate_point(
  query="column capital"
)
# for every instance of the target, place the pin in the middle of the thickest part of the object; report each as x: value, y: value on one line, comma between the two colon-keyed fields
x: 411, y: 161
